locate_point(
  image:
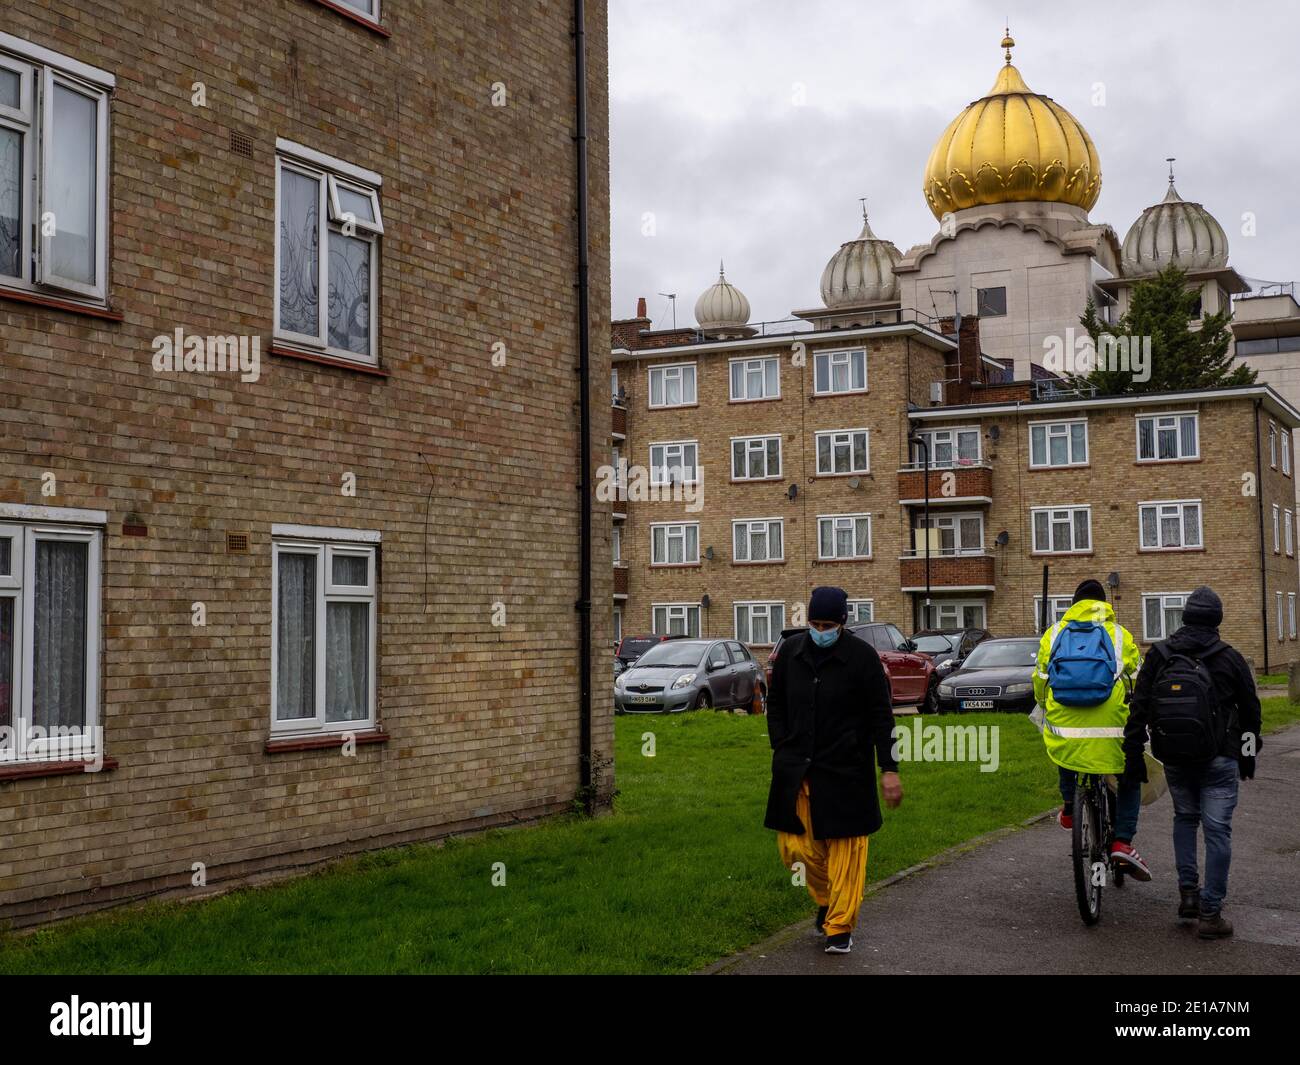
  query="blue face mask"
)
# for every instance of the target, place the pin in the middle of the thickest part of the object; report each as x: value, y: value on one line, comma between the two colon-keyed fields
x: 824, y: 639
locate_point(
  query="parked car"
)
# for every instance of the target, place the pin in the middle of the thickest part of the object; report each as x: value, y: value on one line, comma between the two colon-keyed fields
x: 630, y: 648
x: 997, y: 675
x: 684, y: 674
x: 948, y: 648
x: 909, y: 672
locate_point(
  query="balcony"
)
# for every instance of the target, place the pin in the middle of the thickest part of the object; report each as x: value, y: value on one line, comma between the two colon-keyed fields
x: 620, y: 579
x: 947, y: 572
x: 964, y: 484
x: 618, y: 426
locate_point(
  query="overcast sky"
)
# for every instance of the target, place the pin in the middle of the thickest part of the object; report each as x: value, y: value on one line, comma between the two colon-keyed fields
x: 747, y: 129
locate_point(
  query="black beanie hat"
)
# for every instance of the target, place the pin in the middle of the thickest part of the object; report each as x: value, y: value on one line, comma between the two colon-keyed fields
x: 829, y: 604
x: 1204, y: 608
x: 1089, y: 589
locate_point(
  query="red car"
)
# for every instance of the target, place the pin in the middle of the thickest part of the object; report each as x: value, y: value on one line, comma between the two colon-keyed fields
x: 909, y: 671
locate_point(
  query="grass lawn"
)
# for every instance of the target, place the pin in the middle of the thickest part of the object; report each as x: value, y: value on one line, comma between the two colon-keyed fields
x: 1273, y: 679
x: 681, y: 874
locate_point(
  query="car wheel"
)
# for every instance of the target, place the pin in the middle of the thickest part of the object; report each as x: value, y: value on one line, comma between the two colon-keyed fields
x: 931, y: 704
x: 702, y: 701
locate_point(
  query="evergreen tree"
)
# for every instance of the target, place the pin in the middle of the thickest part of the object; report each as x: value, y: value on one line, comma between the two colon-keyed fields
x: 1163, y: 308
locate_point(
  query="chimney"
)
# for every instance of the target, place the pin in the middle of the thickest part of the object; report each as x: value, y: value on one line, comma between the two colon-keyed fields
x: 640, y: 307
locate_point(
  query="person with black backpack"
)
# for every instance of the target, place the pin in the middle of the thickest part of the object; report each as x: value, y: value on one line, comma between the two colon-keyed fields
x: 1195, y: 698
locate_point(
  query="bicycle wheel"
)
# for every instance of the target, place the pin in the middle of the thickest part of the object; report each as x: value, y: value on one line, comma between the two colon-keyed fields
x: 1086, y: 844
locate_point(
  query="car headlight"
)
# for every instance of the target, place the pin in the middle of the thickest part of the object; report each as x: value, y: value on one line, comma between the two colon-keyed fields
x: 1019, y: 689
x: 945, y: 688
x: 946, y: 663
x: 684, y: 680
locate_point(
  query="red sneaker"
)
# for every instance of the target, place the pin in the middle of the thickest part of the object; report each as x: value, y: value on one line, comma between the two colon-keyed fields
x: 1125, y: 855
x: 1065, y: 820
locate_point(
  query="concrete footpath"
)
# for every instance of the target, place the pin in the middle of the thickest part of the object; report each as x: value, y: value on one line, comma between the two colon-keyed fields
x: 1007, y: 904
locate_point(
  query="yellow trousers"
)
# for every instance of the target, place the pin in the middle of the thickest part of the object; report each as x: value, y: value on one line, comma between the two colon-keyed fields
x: 835, y: 870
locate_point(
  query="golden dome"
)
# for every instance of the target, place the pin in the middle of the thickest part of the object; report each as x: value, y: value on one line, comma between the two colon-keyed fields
x: 1012, y: 145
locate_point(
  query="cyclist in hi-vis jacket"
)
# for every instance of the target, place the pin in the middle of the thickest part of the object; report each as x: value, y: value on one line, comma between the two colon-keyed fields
x: 1084, y: 676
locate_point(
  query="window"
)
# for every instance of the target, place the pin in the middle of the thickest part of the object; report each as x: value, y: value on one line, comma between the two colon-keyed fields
x: 1286, y: 453
x: 369, y: 8
x: 1277, y: 529
x: 675, y: 545
x: 49, y: 643
x: 618, y: 625
x: 842, y: 451
x: 861, y: 610
x: 1279, y: 616
x: 1058, y: 444
x: 759, y: 623
x: 1290, y: 614
x: 755, y: 379
x: 1290, y: 532
x: 323, y: 636
x: 672, y: 386
x: 755, y: 458
x: 844, y: 536
x: 616, y: 543
x: 757, y: 541
x: 328, y: 227
x: 1061, y: 530
x: 990, y: 302
x: 1170, y: 526
x: 1162, y: 615
x: 958, y: 534
x: 949, y: 447
x: 1168, y: 438
x: 615, y: 397
x: 53, y: 168
x: 958, y: 614
x: 674, y: 463
x: 839, y: 371
x: 675, y: 619
x: 1272, y: 445
x: 1057, y: 605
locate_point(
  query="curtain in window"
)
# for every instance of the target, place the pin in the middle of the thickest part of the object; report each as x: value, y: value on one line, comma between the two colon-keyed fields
x: 347, y: 661
x: 11, y: 174
x: 862, y: 537
x: 295, y: 620
x: 59, y: 634
x: 349, y: 293
x: 299, y: 253
x: 7, y: 614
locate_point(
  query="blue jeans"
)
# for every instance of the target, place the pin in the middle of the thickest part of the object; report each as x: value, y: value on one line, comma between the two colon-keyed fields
x: 1127, y: 804
x: 1204, y: 795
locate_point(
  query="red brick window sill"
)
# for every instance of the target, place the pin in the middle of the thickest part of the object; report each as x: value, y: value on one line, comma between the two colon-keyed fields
x: 26, y: 770
x: 355, y: 16
x: 319, y: 743
x: 328, y: 360
x: 36, y: 299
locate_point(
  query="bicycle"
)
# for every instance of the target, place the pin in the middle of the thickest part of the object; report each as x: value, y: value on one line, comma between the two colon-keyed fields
x: 1091, y: 838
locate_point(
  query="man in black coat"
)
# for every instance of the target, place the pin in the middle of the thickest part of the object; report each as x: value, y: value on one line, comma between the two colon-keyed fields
x: 1205, y: 794
x: 829, y: 718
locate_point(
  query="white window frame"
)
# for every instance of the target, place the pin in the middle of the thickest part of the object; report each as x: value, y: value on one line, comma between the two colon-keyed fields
x: 39, y: 71
x: 761, y: 362
x: 766, y: 525
x: 1181, y: 504
x: 1280, y: 632
x: 659, y: 476
x: 1061, y: 428
x: 1052, y: 521
x: 1156, y: 428
x: 959, y: 606
x: 750, y: 609
x: 616, y: 542
x: 665, y: 370
x: 671, y: 531
x: 353, y: 9
x: 840, y: 357
x: 857, y: 608
x: 756, y: 444
x: 848, y: 435
x: 951, y: 435
x: 1277, y: 529
x: 328, y: 172
x: 688, y: 612
x: 939, y: 522
x: 1290, y: 614
x: 20, y: 586
x: 1272, y: 445
x: 836, y: 520
x: 324, y: 551
x: 1286, y: 453
x: 618, y: 624
x: 1163, y: 598
x: 1057, y: 605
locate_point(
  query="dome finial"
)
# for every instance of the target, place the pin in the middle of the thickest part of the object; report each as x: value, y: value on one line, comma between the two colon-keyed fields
x: 1008, y: 42
x: 863, y: 200
x: 722, y: 270
x: 1170, y: 160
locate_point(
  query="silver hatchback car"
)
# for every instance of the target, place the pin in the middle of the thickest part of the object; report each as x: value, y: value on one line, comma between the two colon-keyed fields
x: 686, y: 674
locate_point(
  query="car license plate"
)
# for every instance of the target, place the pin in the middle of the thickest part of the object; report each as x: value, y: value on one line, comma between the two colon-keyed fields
x: 643, y: 699
x: 977, y: 704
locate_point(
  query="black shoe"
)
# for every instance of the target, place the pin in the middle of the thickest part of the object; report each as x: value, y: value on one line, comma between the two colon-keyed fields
x: 1214, y: 926
x: 1189, y: 903
x: 839, y: 944
x: 820, y: 923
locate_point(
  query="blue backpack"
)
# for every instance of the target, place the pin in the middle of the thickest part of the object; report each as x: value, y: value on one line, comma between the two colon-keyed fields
x: 1082, y: 670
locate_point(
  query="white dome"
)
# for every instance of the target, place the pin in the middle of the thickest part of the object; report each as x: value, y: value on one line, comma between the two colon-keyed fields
x: 1175, y: 232
x: 862, y: 271
x: 722, y: 306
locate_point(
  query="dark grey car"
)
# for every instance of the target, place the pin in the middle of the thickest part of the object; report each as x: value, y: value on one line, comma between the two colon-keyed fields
x: 683, y: 674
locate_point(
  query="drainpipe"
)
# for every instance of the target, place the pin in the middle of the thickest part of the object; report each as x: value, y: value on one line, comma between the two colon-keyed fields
x: 583, y: 604
x: 1263, y: 558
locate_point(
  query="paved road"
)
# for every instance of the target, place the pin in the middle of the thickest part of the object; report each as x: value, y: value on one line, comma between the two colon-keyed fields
x: 1008, y: 905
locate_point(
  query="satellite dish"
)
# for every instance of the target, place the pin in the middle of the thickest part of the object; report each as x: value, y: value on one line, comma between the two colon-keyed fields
x: 855, y: 482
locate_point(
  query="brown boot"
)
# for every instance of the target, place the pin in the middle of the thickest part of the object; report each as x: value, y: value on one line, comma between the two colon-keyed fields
x: 1214, y: 926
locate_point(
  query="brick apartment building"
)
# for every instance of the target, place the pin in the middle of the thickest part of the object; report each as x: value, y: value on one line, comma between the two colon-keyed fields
x: 327, y: 603
x: 803, y: 449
